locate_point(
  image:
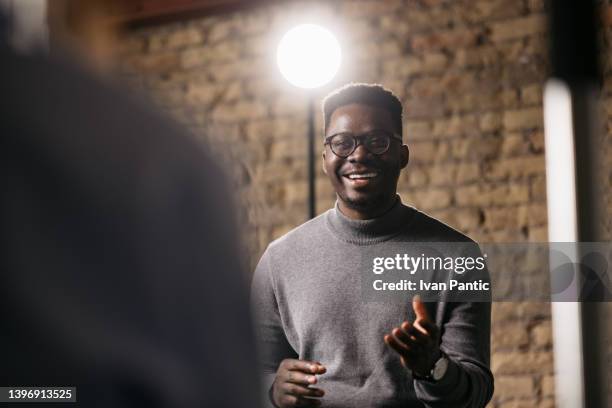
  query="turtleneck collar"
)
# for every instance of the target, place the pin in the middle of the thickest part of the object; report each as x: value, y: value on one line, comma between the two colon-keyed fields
x: 372, y: 231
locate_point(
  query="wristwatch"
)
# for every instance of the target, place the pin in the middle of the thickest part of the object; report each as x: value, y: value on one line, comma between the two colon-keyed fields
x: 438, y: 371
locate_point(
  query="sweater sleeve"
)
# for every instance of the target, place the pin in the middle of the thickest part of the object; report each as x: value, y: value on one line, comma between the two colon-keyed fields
x: 273, y: 345
x: 466, y: 337
x: 468, y: 381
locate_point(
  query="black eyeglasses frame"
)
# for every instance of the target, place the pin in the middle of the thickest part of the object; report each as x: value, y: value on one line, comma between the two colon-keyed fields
x: 359, y: 140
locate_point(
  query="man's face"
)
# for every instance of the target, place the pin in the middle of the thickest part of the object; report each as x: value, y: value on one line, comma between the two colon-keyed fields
x: 372, y: 194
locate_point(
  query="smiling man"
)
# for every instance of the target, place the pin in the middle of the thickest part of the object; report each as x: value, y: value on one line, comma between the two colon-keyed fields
x: 321, y: 343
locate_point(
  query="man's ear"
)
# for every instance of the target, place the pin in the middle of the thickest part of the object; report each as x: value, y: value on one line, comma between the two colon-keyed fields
x: 405, y: 156
x: 323, y: 163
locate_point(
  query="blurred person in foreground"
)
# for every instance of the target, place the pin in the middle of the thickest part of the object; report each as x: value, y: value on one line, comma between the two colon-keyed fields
x: 120, y: 269
x: 322, y: 343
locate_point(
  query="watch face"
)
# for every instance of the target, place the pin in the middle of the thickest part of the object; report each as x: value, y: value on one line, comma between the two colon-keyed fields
x: 440, y: 368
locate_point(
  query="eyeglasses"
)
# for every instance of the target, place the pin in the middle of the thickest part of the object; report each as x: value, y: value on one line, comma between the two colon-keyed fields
x: 376, y: 142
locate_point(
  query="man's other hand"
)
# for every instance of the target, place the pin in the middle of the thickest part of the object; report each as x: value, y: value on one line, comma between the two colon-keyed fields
x: 417, y: 343
x: 291, y: 385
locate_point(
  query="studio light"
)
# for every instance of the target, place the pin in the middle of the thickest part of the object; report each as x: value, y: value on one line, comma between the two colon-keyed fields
x: 308, y: 56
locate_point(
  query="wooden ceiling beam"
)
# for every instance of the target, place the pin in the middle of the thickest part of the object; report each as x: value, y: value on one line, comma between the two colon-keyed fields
x: 148, y: 12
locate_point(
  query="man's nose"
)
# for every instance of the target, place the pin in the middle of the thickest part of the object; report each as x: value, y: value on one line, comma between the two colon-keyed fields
x: 359, y: 154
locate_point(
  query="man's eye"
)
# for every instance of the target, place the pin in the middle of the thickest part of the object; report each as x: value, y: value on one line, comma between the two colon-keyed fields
x: 377, y: 141
x: 342, y: 143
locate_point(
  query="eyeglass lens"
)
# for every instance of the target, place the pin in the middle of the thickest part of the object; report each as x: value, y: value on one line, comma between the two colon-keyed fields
x: 344, y: 144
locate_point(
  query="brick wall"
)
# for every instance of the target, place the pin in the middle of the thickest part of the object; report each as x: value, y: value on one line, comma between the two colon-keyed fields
x: 470, y: 74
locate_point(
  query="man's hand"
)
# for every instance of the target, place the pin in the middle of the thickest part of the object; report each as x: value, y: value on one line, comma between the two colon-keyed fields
x: 290, y: 388
x: 417, y: 343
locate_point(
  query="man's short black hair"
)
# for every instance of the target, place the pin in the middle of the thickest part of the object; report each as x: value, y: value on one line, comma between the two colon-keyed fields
x: 367, y: 94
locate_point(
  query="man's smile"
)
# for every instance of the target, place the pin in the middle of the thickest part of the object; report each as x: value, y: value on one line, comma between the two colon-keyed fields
x: 362, y: 177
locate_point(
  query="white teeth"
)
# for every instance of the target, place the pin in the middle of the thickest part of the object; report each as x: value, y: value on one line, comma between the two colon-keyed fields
x: 361, y: 176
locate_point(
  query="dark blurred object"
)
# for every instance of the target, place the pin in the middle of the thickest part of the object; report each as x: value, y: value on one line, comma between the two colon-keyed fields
x: 4, y: 30
x: 119, y: 267
x: 574, y: 51
x: 573, y: 47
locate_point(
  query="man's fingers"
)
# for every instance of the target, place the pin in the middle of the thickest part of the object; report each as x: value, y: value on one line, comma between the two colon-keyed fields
x: 319, y: 368
x: 417, y: 335
x: 419, y: 309
x: 302, y: 391
x: 298, y: 377
x: 398, y: 345
x: 411, y: 342
x: 305, y: 366
x: 293, y: 380
x: 423, y: 322
x: 403, y: 337
x: 406, y: 357
x: 411, y: 345
x: 426, y: 327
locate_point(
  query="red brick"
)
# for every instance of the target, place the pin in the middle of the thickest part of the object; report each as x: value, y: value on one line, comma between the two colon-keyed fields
x: 464, y: 219
x: 361, y: 8
x: 430, y: 198
x: 488, y: 10
x: 542, y: 334
x: 514, y: 168
x: 519, y: 362
x: 425, y: 152
x: 537, y: 189
x: 509, y: 336
x: 547, y: 385
x: 416, y: 130
x: 517, y: 386
x: 531, y: 94
x: 517, y: 28
x: 523, y: 119
x: 449, y: 39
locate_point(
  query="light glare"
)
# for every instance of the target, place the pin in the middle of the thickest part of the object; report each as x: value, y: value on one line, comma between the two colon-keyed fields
x: 308, y: 56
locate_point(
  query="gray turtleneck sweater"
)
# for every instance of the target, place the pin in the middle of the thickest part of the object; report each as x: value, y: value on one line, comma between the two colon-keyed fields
x: 307, y: 304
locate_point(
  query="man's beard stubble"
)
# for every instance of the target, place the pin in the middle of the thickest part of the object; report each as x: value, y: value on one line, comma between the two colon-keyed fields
x: 368, y: 203
x: 374, y: 202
